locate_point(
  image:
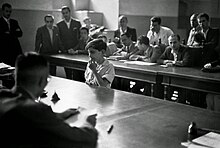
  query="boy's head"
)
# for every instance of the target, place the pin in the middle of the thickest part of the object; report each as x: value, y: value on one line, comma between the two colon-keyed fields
x: 142, y: 42
x: 126, y: 39
x: 84, y: 32
x: 96, y: 49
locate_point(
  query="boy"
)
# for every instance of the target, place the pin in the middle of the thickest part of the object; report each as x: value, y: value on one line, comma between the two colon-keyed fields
x: 99, y: 72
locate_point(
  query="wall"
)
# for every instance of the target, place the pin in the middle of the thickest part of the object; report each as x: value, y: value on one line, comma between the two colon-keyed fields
x: 110, y: 10
x: 139, y: 13
x: 30, y: 14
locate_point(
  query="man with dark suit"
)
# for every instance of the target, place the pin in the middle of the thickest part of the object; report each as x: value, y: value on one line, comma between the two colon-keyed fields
x: 9, y: 33
x: 26, y: 122
x: 48, y: 40
x: 69, y: 34
x: 211, y: 41
x: 123, y: 28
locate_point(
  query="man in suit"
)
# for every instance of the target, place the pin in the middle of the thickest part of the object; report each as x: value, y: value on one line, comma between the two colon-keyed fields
x: 26, y: 122
x: 48, y: 40
x: 69, y: 34
x: 123, y: 28
x: 211, y: 41
x: 9, y: 33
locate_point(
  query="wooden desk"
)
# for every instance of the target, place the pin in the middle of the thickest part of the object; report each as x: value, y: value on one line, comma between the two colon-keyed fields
x: 139, y: 121
x: 123, y: 70
x: 191, y: 78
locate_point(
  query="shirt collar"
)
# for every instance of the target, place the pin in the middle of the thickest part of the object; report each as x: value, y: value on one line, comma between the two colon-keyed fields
x: 6, y: 19
x: 24, y: 92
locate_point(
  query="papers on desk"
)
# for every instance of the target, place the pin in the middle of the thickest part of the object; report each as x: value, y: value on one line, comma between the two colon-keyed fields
x: 140, y: 63
x: 114, y: 57
x: 210, y: 140
x: 3, y: 65
x: 6, y: 69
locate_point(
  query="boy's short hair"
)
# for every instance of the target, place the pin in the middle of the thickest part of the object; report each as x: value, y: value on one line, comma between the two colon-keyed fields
x: 143, y: 39
x: 97, y: 44
x: 85, y: 28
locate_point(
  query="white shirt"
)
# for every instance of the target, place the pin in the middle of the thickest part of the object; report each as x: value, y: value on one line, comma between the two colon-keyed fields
x: 51, y: 34
x: 163, y: 34
x: 105, y: 70
x: 68, y: 23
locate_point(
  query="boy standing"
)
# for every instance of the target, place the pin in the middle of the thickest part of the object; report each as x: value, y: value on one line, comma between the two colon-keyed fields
x: 99, y: 72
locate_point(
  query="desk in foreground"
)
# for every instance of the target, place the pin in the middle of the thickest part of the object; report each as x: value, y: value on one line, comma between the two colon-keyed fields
x: 139, y: 121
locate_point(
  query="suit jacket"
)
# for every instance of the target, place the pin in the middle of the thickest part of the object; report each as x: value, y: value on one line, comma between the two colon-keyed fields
x: 183, y: 56
x: 69, y: 36
x: 26, y: 123
x: 10, y: 46
x: 130, y: 30
x: 212, y: 38
x: 43, y: 41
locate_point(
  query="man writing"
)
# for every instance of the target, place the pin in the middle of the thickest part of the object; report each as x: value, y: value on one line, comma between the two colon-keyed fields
x: 27, y: 123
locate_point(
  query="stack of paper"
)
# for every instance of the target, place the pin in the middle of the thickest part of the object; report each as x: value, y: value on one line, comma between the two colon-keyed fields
x: 210, y: 140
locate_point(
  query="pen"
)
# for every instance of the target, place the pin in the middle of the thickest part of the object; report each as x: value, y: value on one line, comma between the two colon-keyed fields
x: 109, y: 130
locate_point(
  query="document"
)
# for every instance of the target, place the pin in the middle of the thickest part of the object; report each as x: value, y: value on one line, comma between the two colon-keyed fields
x: 140, y: 63
x: 210, y: 140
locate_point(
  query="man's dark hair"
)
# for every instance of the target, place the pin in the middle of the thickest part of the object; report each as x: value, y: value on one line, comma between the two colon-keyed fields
x: 48, y: 15
x: 175, y: 35
x: 127, y: 34
x: 27, y: 63
x: 205, y: 15
x: 97, y: 44
x: 65, y: 7
x: 143, y: 39
x: 6, y: 5
x: 156, y: 19
x: 85, y: 28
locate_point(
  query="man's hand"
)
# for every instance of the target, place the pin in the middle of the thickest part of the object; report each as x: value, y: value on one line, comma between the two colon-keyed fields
x: 92, y: 65
x: 208, y: 65
x: 67, y: 113
x: 72, y: 51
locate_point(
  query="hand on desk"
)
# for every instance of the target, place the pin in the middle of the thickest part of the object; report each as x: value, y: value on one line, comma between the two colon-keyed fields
x: 68, y: 113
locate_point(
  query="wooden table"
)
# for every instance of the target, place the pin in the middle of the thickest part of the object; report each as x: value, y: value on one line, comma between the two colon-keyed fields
x: 191, y: 78
x: 122, y: 70
x: 139, y: 121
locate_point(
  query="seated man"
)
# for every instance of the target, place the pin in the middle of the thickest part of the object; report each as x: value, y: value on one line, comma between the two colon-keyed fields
x: 25, y: 122
x: 111, y: 47
x: 147, y: 53
x: 99, y: 71
x: 123, y: 28
x: 175, y: 54
x: 128, y: 48
x: 158, y: 33
x: 213, y: 100
x: 83, y: 41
